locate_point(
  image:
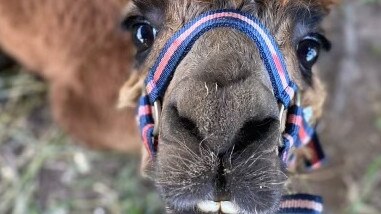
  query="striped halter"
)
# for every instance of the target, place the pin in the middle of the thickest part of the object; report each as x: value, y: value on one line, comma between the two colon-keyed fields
x: 298, y: 132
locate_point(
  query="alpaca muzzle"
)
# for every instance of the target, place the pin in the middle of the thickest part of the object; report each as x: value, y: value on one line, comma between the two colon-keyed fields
x: 298, y: 132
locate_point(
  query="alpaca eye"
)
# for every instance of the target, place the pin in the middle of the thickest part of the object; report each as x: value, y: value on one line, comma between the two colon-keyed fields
x: 143, y: 36
x: 143, y: 33
x: 308, y: 51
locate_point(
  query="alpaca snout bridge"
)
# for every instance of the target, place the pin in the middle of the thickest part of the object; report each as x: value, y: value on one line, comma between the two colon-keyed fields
x: 297, y: 133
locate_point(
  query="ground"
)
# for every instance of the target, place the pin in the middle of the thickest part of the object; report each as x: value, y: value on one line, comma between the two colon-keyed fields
x: 42, y: 171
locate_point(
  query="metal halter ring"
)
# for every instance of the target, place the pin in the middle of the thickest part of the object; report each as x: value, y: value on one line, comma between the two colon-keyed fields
x: 298, y: 99
x: 298, y: 102
x: 281, y: 112
x: 156, y: 117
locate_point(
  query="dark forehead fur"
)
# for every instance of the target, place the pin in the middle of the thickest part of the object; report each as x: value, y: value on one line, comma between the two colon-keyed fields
x: 181, y: 11
x: 293, y: 18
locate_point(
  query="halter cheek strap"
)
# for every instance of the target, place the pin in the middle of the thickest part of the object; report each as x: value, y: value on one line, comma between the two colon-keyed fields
x: 298, y: 132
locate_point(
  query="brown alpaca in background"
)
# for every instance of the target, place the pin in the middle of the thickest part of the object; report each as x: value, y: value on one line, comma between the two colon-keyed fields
x: 78, y: 47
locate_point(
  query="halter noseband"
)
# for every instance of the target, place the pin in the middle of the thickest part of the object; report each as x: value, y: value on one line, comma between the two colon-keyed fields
x: 298, y: 132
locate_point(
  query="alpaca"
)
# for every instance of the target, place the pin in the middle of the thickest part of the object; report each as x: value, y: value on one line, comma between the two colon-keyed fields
x: 219, y: 130
x: 218, y: 93
x: 79, y: 48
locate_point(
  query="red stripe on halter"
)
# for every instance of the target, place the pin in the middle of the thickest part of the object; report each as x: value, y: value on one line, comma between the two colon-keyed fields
x: 304, y: 136
x: 177, y: 43
x: 145, y: 139
x: 279, y: 67
x: 295, y: 119
x: 150, y: 86
x: 314, y: 159
x: 145, y: 110
x: 303, y: 204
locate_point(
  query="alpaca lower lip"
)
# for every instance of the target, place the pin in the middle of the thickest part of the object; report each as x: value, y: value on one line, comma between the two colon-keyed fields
x: 226, y: 207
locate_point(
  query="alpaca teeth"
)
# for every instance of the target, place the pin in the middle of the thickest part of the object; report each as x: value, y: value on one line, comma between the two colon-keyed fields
x: 229, y: 207
x: 209, y: 206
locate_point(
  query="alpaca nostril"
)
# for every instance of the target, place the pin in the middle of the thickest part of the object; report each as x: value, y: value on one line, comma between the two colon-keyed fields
x: 254, y: 130
x: 185, y: 123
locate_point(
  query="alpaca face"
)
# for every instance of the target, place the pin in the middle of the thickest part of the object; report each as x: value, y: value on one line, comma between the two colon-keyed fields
x: 220, y: 128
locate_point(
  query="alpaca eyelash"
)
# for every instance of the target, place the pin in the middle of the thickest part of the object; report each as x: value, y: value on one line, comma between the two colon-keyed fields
x: 321, y: 39
x: 129, y: 22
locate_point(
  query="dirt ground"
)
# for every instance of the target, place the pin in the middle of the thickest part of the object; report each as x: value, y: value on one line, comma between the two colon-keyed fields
x: 41, y: 171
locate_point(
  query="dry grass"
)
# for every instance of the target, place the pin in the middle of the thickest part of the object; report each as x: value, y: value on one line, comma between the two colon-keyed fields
x: 42, y: 171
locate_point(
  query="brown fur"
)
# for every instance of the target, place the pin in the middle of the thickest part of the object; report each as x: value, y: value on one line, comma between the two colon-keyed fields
x: 78, y: 48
